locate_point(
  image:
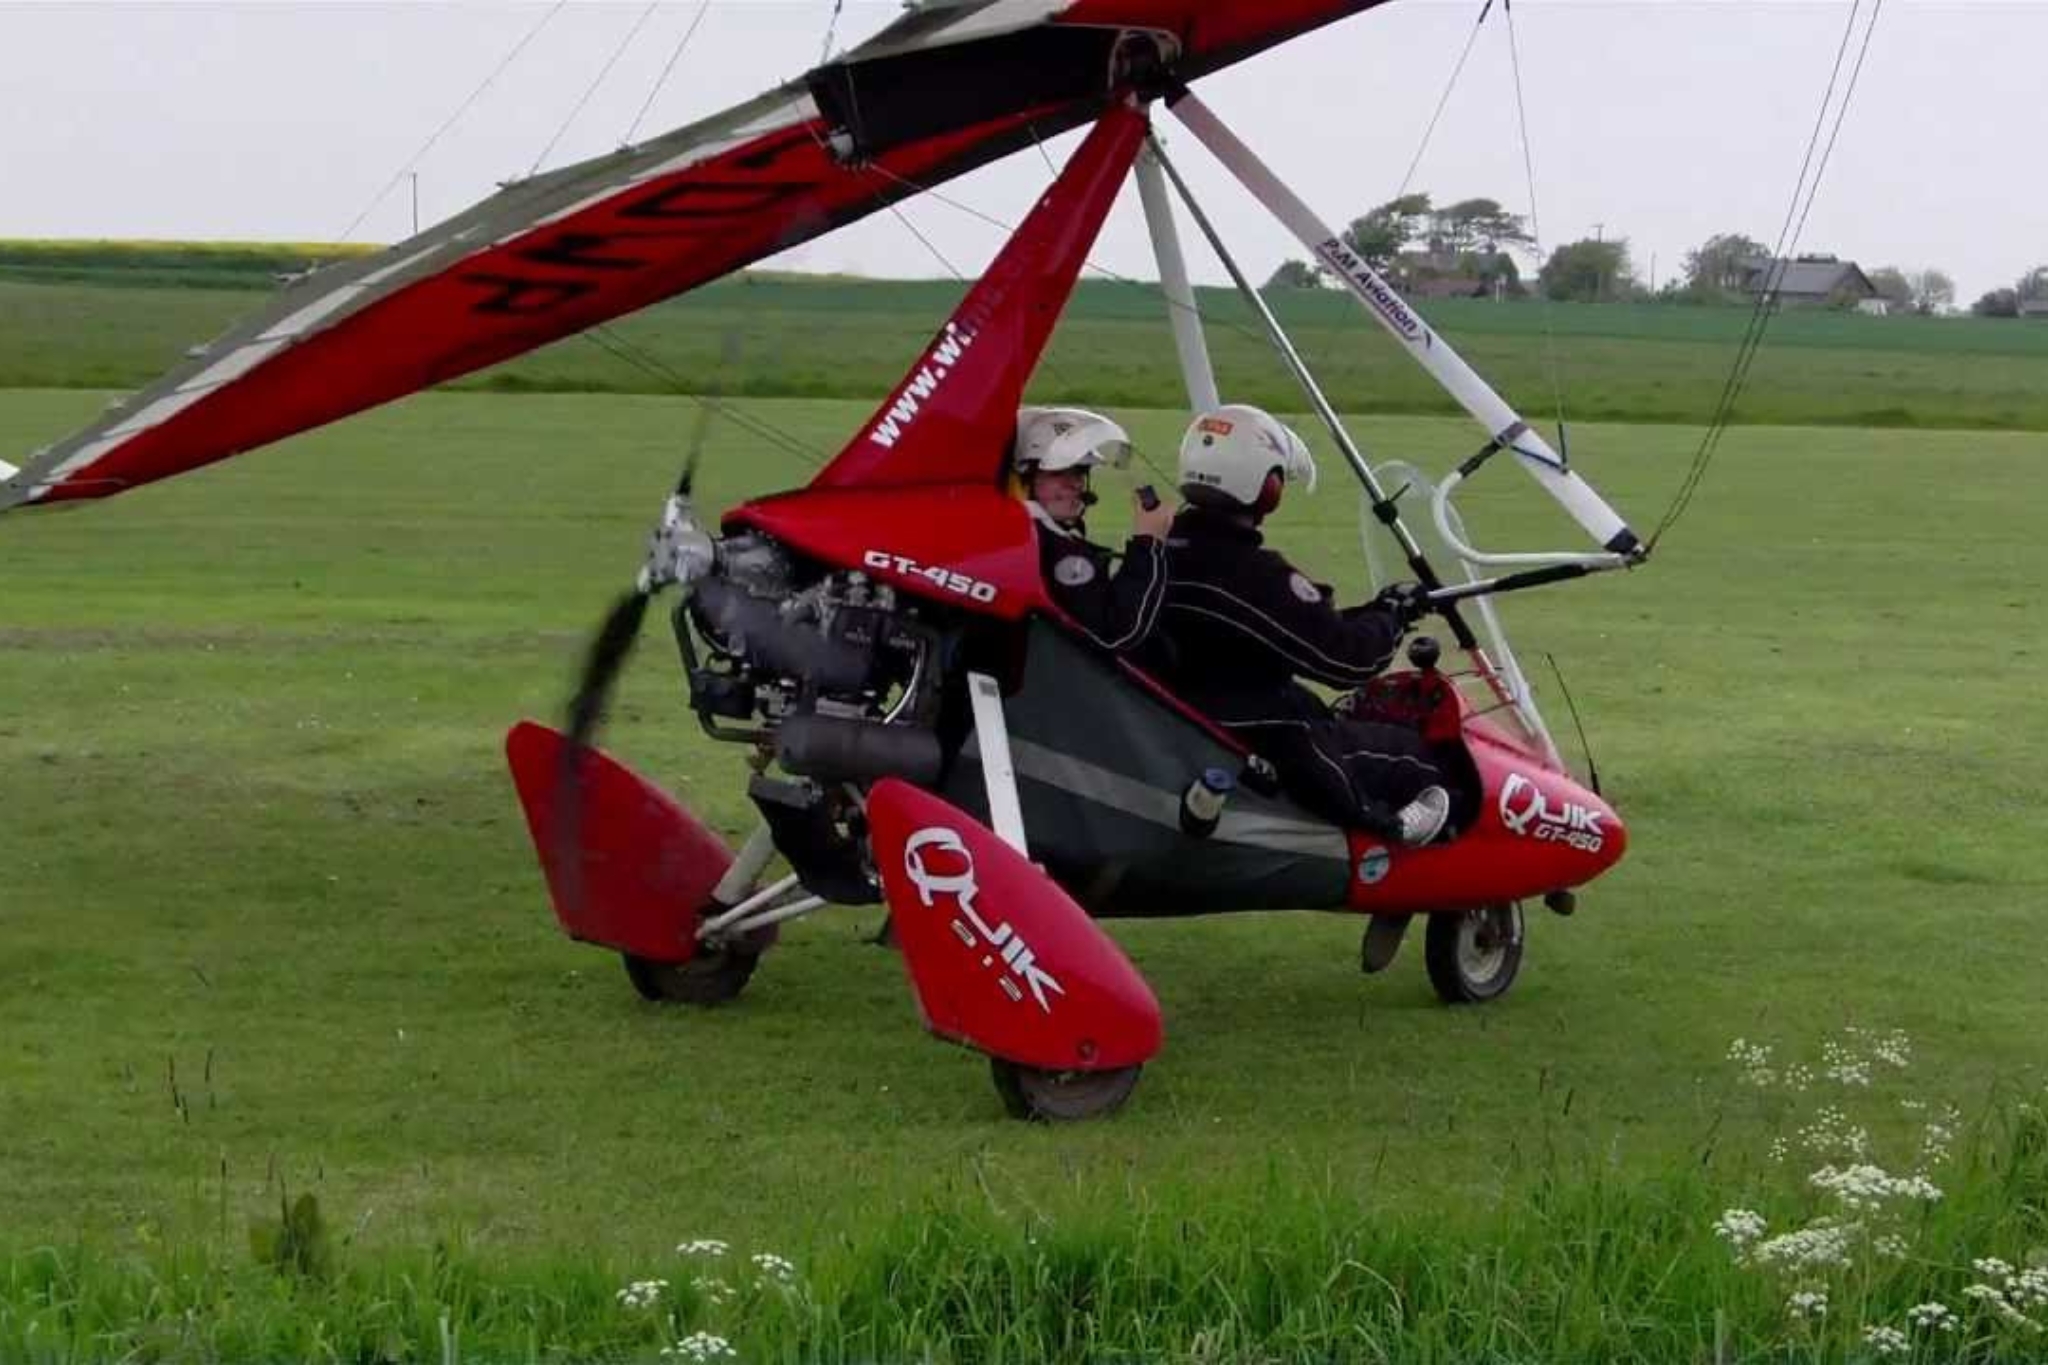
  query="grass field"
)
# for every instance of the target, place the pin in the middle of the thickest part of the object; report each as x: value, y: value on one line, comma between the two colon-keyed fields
x: 271, y: 919
x: 97, y: 326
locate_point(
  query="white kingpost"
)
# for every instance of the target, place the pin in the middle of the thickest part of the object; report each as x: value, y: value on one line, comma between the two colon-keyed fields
x: 1188, y: 340
x: 1422, y: 342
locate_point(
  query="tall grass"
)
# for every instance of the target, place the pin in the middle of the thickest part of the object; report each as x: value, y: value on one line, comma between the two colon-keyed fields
x: 1573, y: 1262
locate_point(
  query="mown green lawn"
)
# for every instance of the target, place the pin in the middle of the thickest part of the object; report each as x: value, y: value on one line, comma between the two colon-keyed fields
x: 268, y: 910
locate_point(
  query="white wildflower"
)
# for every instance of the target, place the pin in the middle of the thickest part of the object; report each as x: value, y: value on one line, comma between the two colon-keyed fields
x: 700, y: 1346
x: 713, y: 1288
x: 1935, y: 1317
x: 1798, y: 1077
x: 1895, y: 1050
x: 1739, y: 1227
x: 642, y: 1293
x: 1832, y: 1132
x: 1842, y: 1065
x: 1808, y: 1303
x: 708, y: 1246
x: 1913, y: 1106
x: 768, y: 1263
x: 2030, y: 1286
x: 1991, y: 1268
x: 1887, y: 1341
x: 1891, y: 1245
x: 1824, y: 1243
x: 1780, y: 1149
x: 1755, y: 1061
x: 1864, y: 1187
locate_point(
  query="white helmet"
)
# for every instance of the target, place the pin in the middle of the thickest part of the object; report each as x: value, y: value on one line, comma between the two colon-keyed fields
x: 1233, y: 451
x: 1067, y: 438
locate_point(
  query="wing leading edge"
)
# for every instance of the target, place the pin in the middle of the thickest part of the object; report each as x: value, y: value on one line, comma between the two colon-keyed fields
x: 946, y: 89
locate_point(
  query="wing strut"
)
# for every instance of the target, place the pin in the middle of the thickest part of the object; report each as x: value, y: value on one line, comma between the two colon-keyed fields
x: 1620, y: 546
x: 1188, y: 341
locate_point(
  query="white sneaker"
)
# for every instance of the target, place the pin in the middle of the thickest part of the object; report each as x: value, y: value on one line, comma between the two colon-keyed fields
x: 1423, y: 818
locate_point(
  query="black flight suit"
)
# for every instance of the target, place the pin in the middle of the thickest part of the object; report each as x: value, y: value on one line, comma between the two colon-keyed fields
x: 1240, y: 625
x: 1115, y: 603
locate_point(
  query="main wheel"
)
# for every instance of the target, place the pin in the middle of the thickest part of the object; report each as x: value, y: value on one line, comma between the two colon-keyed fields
x: 1061, y: 1096
x: 1473, y: 957
x: 712, y: 977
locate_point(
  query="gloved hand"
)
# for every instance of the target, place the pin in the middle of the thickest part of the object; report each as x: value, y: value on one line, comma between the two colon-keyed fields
x: 1406, y: 602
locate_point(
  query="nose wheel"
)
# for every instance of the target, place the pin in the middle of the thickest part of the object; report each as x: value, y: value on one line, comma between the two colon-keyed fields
x: 713, y: 977
x: 1030, y: 1092
x: 1473, y: 956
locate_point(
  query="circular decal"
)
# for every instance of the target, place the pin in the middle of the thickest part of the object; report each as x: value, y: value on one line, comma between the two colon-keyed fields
x: 1373, y: 866
x: 1073, y: 571
x: 1305, y: 590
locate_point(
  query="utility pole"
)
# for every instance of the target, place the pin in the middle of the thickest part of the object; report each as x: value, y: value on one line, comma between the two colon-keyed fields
x: 415, y: 203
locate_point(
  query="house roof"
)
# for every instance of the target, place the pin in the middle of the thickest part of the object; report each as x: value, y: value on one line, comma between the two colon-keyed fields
x: 1806, y: 279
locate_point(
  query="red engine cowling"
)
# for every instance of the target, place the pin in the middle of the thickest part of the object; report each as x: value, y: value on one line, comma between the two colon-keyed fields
x: 968, y: 545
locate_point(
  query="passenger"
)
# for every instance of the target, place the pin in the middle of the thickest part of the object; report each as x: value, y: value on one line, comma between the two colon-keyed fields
x: 1242, y: 625
x: 1115, y: 600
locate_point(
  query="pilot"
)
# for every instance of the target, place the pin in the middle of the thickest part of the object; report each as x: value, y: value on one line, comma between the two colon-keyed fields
x: 1114, y: 599
x: 1242, y: 626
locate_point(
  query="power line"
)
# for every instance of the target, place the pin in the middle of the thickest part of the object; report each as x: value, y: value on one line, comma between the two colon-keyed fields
x: 602, y: 72
x: 675, y: 55
x: 1775, y: 269
x: 449, y: 122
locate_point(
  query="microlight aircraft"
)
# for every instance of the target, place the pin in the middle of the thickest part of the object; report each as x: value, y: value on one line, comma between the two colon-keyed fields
x: 924, y: 726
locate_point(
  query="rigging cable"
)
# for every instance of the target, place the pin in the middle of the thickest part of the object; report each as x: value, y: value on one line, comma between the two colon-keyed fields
x: 1536, y: 237
x: 1045, y: 359
x: 831, y: 29
x: 1788, y: 238
x: 598, y: 80
x: 1010, y: 229
x: 448, y: 123
x: 623, y: 348
x: 675, y: 55
x: 1444, y: 99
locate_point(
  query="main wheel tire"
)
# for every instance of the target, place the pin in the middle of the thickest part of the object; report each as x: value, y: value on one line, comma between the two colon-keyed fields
x: 713, y: 977
x: 1062, y: 1096
x: 1473, y: 957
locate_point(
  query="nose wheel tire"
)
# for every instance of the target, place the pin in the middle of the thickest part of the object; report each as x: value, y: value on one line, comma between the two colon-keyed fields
x: 1473, y: 956
x: 1061, y: 1096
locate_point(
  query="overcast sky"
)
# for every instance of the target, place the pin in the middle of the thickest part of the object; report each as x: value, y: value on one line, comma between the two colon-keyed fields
x: 1662, y: 121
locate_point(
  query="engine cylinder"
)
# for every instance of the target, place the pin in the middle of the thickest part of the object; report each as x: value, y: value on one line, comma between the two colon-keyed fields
x: 843, y: 749
x: 753, y: 628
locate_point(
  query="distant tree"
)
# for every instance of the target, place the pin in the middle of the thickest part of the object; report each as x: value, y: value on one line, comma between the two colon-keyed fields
x: 1473, y: 226
x: 1933, y: 291
x: 1999, y: 303
x: 1296, y: 275
x: 1589, y: 271
x: 1385, y: 232
x: 1717, y: 266
x: 1497, y: 273
x: 2033, y: 285
x: 1892, y: 286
